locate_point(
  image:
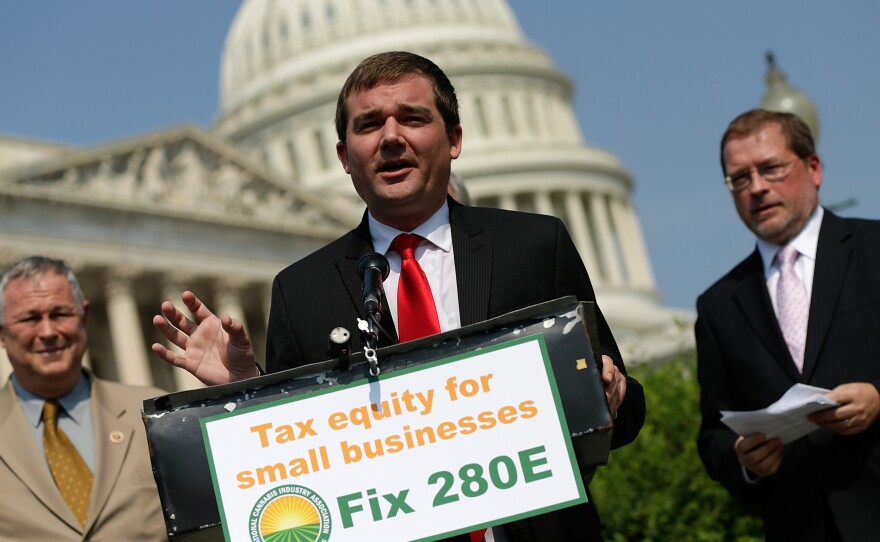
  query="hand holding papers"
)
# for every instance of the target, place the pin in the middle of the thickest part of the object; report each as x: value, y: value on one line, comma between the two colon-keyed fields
x: 786, y: 418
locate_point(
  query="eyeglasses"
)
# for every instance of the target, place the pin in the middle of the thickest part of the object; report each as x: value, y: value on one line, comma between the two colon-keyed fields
x: 772, y: 173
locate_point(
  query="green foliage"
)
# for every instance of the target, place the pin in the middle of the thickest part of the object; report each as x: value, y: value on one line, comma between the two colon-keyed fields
x: 656, y: 489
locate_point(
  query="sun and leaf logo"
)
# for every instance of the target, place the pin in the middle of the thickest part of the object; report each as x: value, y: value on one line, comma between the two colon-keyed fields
x: 290, y: 513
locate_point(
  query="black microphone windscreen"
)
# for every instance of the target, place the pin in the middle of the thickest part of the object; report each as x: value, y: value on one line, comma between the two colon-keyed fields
x: 376, y: 261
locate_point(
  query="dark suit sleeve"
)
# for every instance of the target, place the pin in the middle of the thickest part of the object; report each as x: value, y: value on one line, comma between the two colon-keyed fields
x: 572, y: 279
x: 715, y: 440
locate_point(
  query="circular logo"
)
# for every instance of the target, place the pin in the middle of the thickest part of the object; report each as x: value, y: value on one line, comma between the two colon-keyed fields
x: 287, y: 513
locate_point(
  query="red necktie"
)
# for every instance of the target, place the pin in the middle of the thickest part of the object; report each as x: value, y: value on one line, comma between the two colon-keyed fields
x: 416, y: 313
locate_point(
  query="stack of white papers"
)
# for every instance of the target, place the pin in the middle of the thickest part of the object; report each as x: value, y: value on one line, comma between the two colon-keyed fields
x: 786, y: 418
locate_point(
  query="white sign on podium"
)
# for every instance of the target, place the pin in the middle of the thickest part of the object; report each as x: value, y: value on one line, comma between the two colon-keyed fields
x: 421, y: 454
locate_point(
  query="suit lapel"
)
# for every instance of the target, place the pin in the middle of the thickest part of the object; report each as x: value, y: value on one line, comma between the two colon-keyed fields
x: 25, y: 459
x: 471, y: 244
x: 360, y: 243
x: 832, y: 261
x: 113, y: 437
x: 471, y: 248
x: 754, y: 302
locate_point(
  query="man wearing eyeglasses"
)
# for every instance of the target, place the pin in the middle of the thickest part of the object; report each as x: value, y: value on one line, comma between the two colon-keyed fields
x: 804, y: 307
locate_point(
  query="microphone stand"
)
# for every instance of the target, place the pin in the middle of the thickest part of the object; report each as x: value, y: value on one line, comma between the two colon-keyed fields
x: 373, y: 269
x: 370, y: 333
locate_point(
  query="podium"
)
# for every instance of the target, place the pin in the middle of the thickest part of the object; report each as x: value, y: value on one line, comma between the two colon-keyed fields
x: 565, y: 329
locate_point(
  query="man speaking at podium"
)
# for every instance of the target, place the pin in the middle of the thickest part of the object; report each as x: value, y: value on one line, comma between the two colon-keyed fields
x: 451, y: 265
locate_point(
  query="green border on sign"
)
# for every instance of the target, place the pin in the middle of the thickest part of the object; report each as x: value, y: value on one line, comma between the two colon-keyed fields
x: 582, y: 494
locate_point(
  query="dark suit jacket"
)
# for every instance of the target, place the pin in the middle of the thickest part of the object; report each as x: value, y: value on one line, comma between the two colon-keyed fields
x: 504, y: 261
x: 124, y: 503
x: 744, y: 364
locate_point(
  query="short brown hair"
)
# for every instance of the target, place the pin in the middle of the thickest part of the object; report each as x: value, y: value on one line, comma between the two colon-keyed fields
x: 798, y: 136
x: 391, y: 67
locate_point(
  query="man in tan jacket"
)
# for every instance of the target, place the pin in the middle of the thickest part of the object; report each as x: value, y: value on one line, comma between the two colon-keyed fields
x: 43, y: 328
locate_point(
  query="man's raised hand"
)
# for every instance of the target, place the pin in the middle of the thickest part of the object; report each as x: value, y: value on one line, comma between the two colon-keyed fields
x: 215, y: 350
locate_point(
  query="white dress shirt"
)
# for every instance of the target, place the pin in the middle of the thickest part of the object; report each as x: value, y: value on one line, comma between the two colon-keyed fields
x: 806, y: 243
x: 436, y: 258
x: 74, y: 417
x: 438, y: 261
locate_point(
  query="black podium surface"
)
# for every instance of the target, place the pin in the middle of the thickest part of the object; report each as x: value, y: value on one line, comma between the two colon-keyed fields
x: 180, y: 462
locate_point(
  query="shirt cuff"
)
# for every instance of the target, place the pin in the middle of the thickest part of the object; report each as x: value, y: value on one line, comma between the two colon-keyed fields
x: 749, y: 477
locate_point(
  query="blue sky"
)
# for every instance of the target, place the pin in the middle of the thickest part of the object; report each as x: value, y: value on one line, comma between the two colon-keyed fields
x: 656, y: 83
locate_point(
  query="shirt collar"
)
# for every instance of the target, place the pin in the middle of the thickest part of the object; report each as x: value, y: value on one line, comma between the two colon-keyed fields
x: 806, y: 241
x: 74, y: 402
x: 436, y: 230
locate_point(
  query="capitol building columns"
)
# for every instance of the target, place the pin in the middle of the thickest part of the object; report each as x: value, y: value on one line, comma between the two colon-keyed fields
x: 604, y: 228
x: 607, y: 240
x: 221, y: 211
x: 543, y: 204
x: 580, y: 229
x: 129, y: 346
x: 123, y: 298
x: 633, y: 247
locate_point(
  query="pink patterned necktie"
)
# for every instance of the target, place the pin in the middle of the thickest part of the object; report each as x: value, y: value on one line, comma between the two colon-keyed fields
x: 791, y: 304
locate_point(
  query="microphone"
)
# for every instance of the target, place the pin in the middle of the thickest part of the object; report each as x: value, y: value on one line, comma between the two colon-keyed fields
x: 373, y: 269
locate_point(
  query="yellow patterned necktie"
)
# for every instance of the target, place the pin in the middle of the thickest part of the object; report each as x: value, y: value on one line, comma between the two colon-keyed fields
x: 72, y: 475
